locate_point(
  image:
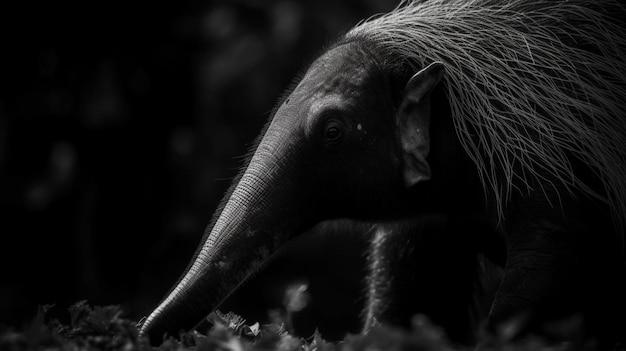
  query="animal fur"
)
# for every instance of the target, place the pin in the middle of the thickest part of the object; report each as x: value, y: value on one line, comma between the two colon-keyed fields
x: 533, y: 86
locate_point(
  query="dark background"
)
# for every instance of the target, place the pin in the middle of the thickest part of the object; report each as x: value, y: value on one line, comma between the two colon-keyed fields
x: 121, y: 124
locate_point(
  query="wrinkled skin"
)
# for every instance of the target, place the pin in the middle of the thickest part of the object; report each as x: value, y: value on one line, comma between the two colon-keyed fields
x: 363, y: 140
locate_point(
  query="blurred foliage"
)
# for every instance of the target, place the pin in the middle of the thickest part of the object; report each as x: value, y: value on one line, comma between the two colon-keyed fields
x: 121, y: 124
x: 104, y: 328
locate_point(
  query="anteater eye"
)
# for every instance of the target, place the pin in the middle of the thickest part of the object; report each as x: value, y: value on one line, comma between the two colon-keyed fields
x: 333, y: 132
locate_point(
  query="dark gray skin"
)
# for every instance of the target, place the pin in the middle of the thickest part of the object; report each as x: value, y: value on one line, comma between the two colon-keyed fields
x: 364, y: 136
x: 434, y: 265
x: 429, y: 264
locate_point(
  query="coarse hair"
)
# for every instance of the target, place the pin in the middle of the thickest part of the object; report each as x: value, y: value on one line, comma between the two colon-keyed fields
x: 533, y: 87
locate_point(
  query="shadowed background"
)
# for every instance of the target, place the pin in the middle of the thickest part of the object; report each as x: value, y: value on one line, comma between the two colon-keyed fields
x: 121, y: 124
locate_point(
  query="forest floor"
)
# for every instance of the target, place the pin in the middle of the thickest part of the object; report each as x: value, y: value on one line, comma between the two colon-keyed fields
x: 105, y: 328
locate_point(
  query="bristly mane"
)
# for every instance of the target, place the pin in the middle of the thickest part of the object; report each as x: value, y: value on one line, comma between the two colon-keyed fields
x: 533, y: 86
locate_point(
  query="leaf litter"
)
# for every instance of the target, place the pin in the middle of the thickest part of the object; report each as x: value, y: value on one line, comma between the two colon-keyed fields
x: 92, y: 328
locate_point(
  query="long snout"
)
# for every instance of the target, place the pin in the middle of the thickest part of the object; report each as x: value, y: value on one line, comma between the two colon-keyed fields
x: 217, y: 270
x: 185, y: 306
x: 258, y: 217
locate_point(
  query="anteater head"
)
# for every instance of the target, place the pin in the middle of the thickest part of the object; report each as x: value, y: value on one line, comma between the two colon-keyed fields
x: 348, y: 141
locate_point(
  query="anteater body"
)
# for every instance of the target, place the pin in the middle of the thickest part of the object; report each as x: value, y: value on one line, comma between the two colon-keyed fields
x: 505, y: 120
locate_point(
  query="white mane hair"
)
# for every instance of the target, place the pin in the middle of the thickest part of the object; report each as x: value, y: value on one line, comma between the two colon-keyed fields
x: 532, y: 86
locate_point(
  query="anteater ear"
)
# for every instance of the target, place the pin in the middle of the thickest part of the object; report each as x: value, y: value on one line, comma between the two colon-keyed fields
x: 414, y: 123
